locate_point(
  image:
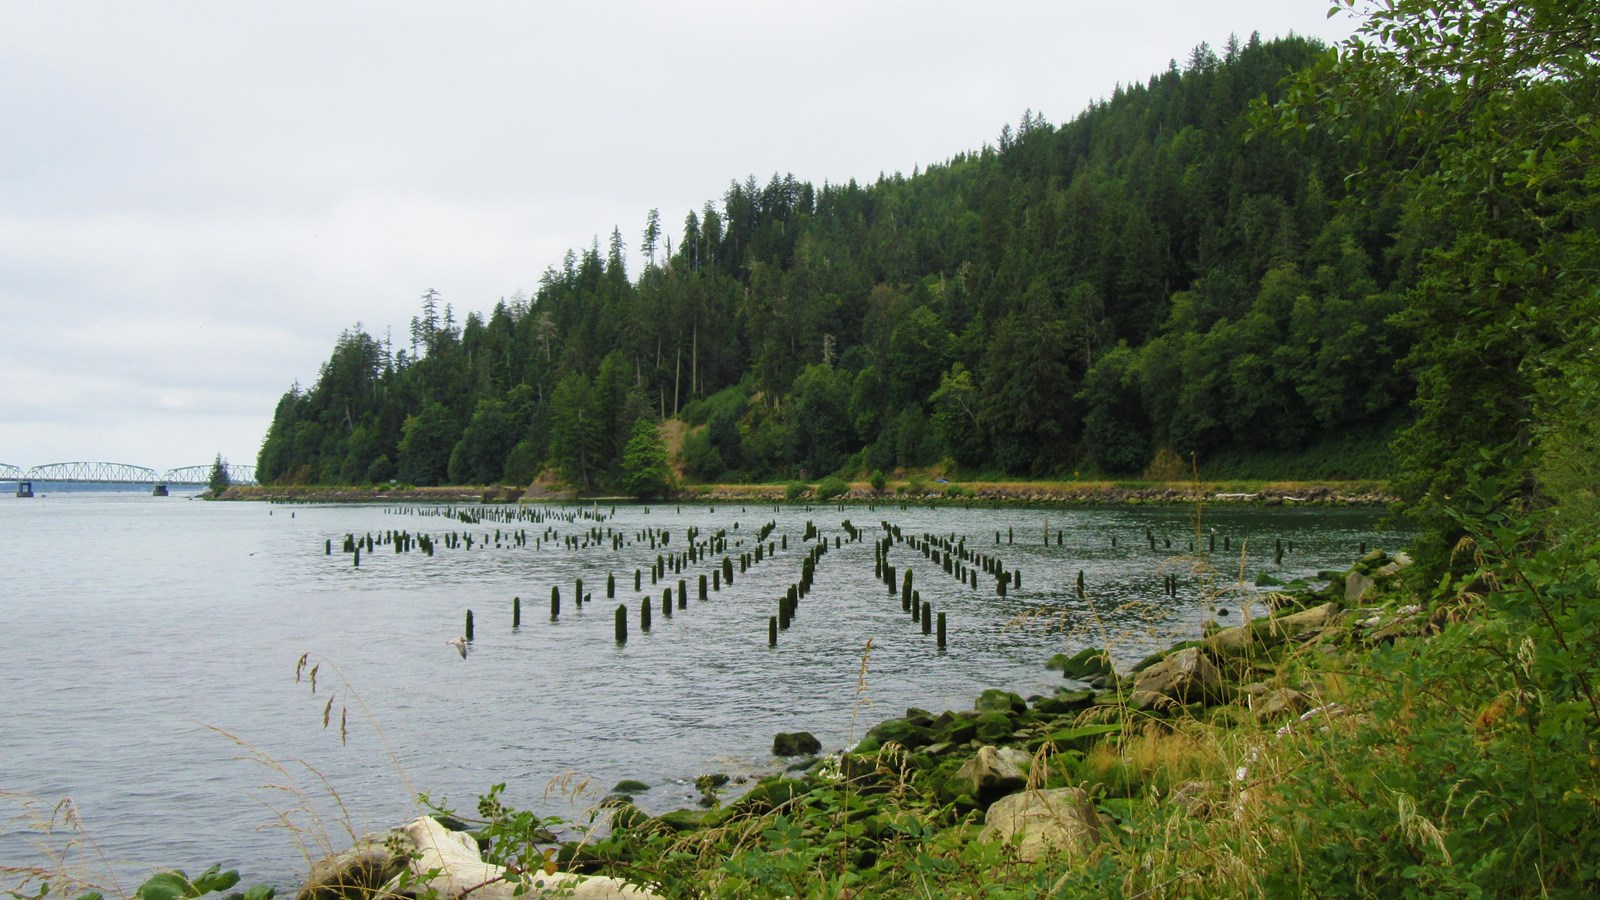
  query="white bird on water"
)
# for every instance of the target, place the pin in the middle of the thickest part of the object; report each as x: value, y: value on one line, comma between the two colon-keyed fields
x: 460, y: 644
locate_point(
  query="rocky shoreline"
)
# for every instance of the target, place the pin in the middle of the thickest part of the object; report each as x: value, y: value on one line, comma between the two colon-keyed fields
x: 1001, y: 773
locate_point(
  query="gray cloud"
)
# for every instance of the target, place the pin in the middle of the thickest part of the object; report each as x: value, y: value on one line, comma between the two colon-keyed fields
x: 197, y: 197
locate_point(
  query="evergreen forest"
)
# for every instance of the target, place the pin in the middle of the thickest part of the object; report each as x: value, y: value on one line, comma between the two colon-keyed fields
x: 1161, y: 273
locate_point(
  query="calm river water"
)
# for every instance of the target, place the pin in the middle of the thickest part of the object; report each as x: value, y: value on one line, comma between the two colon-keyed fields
x: 150, y: 648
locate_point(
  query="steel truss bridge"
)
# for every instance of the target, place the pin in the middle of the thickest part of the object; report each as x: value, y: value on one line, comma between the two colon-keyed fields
x: 122, y: 473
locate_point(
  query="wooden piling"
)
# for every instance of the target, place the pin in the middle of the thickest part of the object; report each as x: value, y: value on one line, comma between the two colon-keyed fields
x: 927, y: 617
x: 621, y: 624
x: 469, y: 624
x: 516, y: 612
x: 941, y: 631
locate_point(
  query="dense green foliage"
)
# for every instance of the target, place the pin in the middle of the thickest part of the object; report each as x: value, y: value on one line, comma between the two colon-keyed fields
x: 219, y: 479
x: 1483, y: 118
x: 645, y: 471
x: 1075, y: 297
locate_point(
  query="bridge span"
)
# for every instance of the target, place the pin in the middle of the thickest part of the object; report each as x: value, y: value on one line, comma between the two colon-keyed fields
x: 119, y: 473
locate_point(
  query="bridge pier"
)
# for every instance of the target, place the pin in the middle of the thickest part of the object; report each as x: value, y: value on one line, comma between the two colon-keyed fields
x: 160, y: 490
x: 24, y: 489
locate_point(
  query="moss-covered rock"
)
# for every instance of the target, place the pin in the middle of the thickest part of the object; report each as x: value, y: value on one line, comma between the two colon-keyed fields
x: 681, y: 820
x: 993, y: 727
x: 899, y: 731
x: 771, y: 794
x: 1064, y: 703
x: 795, y: 743
x: 1083, y: 665
x: 994, y: 700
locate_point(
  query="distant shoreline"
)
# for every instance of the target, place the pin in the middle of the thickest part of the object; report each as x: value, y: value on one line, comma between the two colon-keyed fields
x: 1266, y: 493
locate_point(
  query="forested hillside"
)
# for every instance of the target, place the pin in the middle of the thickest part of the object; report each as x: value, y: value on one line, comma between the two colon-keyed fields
x: 1158, y: 274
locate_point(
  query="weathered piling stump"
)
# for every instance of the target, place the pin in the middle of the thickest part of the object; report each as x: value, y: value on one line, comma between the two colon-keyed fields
x: 927, y: 617
x: 469, y: 624
x: 621, y: 623
x: 516, y: 612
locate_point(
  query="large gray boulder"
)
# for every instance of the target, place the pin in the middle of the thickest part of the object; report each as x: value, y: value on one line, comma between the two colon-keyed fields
x: 1187, y: 676
x: 1356, y: 587
x: 1259, y: 634
x: 990, y: 774
x: 1060, y: 822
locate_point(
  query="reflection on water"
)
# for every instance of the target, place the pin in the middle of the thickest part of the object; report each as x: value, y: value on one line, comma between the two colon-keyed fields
x: 143, y: 632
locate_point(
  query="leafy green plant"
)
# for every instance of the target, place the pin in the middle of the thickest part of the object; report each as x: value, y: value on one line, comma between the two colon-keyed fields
x: 831, y: 487
x: 794, y: 490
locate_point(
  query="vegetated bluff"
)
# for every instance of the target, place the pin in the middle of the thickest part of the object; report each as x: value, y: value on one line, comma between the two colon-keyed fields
x: 1151, y: 275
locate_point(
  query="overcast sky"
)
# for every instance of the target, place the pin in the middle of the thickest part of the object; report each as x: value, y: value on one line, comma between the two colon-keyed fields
x: 197, y: 197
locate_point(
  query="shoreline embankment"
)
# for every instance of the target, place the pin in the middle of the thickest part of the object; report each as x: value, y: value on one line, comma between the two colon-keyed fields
x: 995, y: 493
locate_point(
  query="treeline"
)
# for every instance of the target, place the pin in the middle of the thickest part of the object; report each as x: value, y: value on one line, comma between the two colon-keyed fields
x: 1158, y: 274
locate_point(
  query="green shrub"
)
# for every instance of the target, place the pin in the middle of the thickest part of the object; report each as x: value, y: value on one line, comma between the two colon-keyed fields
x: 831, y: 487
x: 701, y: 458
x: 794, y: 490
x: 878, y: 481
